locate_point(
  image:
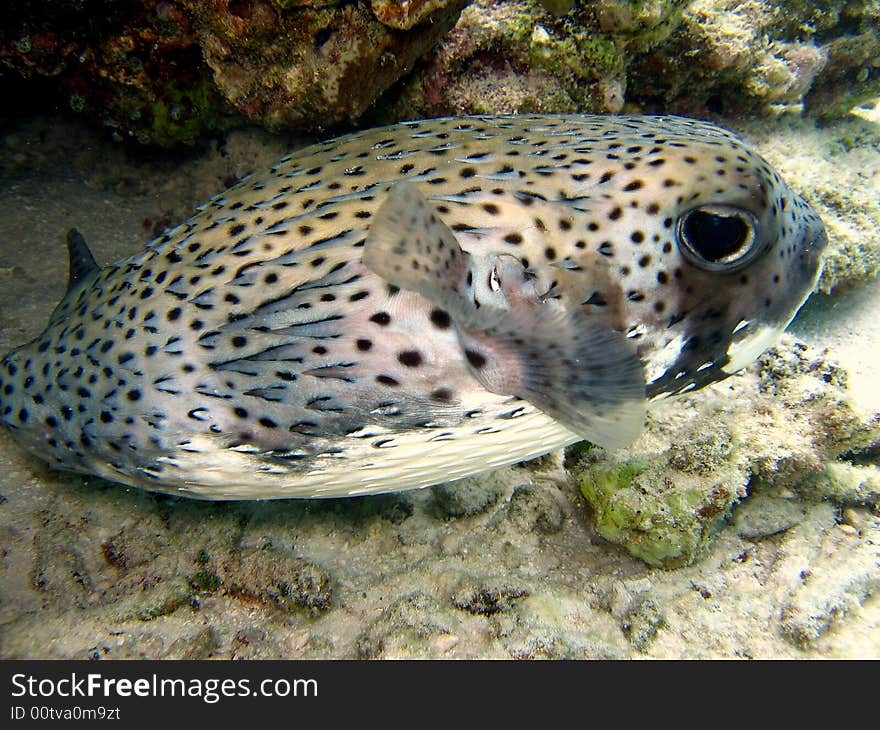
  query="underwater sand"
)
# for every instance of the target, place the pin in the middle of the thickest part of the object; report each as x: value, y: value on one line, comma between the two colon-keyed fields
x: 509, y: 565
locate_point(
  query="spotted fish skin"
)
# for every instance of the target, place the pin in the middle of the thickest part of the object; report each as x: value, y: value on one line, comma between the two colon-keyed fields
x: 250, y: 353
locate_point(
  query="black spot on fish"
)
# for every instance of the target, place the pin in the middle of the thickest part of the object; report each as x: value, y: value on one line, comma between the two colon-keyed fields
x: 410, y: 358
x: 476, y: 359
x: 441, y: 395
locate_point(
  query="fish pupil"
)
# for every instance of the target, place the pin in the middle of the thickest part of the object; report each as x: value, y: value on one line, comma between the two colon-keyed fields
x: 714, y: 237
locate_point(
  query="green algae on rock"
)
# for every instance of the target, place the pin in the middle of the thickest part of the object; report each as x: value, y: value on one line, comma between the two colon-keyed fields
x: 665, y: 517
x: 518, y: 56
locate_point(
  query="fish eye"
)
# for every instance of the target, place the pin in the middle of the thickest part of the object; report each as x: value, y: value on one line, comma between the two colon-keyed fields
x: 718, y: 237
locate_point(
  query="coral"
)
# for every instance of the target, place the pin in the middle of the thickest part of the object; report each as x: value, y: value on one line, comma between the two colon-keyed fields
x: 694, y: 57
x: 310, y: 67
x: 168, y: 71
x: 747, y: 56
x: 789, y: 426
x: 517, y: 56
x: 135, y: 67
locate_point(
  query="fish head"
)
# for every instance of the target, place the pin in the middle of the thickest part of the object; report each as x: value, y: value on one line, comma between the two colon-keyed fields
x: 711, y: 255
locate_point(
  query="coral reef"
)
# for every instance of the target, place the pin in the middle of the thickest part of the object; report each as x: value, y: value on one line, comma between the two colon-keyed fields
x: 314, y: 67
x: 698, y: 57
x: 134, y: 67
x: 168, y: 71
x: 733, y: 57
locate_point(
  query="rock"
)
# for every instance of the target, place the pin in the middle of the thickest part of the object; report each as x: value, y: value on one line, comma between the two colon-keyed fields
x: 829, y: 591
x: 277, y: 579
x: 160, y: 600
x: 764, y: 514
x: 405, y: 14
x: 852, y: 72
x: 168, y: 72
x: 466, y: 496
x: 558, y: 625
x: 642, y: 622
x: 416, y: 625
x: 486, y: 599
x: 845, y: 484
x: 202, y: 644
x: 532, y: 508
x: 314, y: 67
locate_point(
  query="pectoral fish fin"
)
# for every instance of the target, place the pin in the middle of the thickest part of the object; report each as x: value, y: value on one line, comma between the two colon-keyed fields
x: 410, y: 247
x: 571, y: 364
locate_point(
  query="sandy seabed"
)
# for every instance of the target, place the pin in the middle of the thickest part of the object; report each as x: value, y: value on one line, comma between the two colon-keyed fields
x: 507, y: 565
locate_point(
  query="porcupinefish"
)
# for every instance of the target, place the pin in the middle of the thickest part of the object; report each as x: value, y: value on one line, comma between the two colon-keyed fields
x: 418, y: 303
